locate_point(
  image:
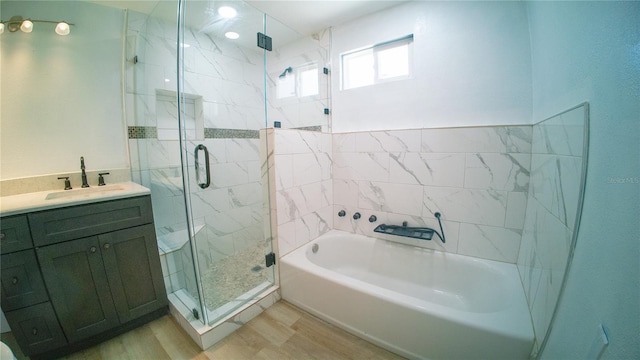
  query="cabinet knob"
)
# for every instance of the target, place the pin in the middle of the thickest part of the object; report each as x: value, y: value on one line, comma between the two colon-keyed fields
x: 2, y: 236
x: 14, y: 280
x: 107, y: 246
x: 93, y: 249
x: 34, y: 331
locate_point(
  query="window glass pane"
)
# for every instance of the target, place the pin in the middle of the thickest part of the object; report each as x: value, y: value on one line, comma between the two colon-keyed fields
x: 393, y: 62
x: 378, y: 63
x: 358, y: 69
x: 286, y: 86
x: 309, y: 82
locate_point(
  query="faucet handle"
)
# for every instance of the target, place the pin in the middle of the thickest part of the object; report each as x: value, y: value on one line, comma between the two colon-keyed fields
x: 67, y: 183
x: 101, y: 179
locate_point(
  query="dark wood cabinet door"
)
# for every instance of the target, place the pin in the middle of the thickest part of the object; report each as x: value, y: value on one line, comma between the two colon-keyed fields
x: 21, y: 282
x: 133, y: 269
x: 74, y: 274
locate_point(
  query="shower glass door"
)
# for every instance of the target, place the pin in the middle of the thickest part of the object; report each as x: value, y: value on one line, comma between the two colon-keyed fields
x: 221, y: 82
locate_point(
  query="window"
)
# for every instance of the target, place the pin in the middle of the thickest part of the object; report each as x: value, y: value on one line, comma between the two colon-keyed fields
x: 308, y: 81
x: 301, y: 81
x: 378, y: 63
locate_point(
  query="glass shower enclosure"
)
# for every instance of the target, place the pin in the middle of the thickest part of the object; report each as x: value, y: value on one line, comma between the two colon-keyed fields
x: 196, y: 102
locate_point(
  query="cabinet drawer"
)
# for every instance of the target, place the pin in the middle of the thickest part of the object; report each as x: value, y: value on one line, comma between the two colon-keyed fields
x: 14, y: 234
x: 36, y: 328
x: 54, y: 226
x: 22, y: 284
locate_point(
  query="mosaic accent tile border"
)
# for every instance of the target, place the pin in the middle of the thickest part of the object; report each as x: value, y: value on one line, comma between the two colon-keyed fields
x: 143, y: 132
x: 215, y: 133
x: 151, y: 132
x: 317, y: 128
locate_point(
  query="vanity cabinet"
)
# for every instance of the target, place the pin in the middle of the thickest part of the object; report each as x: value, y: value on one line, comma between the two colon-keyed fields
x: 102, y: 281
x: 96, y: 269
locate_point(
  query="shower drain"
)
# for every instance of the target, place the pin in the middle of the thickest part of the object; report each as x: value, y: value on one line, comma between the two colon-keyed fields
x: 256, y: 268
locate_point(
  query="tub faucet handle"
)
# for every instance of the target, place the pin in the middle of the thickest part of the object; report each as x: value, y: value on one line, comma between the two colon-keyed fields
x: 373, y: 218
x: 342, y: 213
x: 356, y: 216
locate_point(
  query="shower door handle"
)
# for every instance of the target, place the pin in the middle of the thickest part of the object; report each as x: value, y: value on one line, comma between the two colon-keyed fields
x: 205, y: 184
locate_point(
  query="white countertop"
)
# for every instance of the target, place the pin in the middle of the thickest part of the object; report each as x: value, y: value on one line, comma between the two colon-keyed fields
x: 52, y: 199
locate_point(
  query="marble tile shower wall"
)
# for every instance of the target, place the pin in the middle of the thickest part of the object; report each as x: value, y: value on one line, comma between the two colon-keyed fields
x: 300, y: 176
x: 556, y: 168
x: 476, y: 177
x: 229, y: 80
x: 228, y: 77
x: 301, y: 110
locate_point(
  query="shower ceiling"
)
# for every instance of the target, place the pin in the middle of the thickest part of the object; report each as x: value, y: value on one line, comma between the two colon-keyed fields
x: 305, y: 17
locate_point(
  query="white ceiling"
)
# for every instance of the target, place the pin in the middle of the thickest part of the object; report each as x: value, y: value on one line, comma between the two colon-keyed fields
x: 310, y: 16
x: 303, y: 16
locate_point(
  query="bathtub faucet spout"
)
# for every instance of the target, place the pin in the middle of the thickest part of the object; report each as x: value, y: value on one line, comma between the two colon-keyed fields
x: 422, y: 233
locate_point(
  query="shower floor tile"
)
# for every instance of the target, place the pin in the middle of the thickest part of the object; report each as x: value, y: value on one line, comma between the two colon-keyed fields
x: 233, y: 276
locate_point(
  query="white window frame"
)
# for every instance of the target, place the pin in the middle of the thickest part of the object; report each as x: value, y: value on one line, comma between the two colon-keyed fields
x: 375, y: 49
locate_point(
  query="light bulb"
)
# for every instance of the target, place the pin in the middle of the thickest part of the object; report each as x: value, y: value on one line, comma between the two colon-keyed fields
x: 227, y: 12
x: 1, y: 28
x: 232, y: 35
x: 62, y: 28
x: 27, y: 26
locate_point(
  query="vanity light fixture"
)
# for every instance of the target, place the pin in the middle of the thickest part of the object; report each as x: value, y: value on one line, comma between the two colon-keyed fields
x: 26, y: 25
x: 63, y: 28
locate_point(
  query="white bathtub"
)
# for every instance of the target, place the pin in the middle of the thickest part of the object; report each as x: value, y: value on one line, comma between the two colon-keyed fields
x: 415, y: 302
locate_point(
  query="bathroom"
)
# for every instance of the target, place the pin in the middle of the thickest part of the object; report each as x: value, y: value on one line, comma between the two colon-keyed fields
x: 504, y: 65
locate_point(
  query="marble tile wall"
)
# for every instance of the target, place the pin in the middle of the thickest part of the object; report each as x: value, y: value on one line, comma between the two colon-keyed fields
x: 552, y: 206
x: 300, y: 111
x: 476, y: 177
x: 300, y: 172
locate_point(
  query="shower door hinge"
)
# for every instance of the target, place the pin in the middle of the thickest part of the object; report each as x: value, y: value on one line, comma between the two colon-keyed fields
x: 264, y: 42
x: 270, y: 259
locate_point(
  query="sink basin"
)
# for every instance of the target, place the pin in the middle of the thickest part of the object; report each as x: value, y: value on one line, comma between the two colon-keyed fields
x: 84, y: 192
x: 54, y: 199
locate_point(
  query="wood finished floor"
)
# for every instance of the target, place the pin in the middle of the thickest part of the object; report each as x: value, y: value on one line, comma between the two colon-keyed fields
x: 281, y: 332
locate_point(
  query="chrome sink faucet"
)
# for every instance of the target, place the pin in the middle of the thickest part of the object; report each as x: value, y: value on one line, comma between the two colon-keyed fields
x: 84, y: 174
